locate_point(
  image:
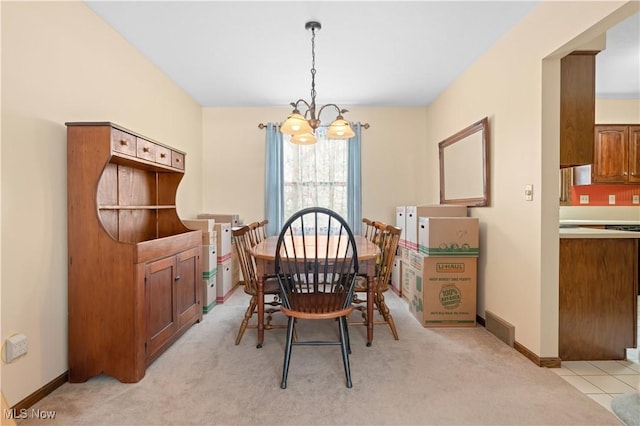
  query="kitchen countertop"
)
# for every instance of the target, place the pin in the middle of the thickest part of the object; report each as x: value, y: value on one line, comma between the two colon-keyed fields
x: 598, y: 222
x: 596, y: 233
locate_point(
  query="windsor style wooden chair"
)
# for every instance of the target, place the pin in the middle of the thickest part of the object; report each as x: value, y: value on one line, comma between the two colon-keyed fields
x: 316, y: 262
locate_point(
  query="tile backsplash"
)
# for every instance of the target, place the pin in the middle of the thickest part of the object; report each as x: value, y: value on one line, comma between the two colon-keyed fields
x: 605, y: 195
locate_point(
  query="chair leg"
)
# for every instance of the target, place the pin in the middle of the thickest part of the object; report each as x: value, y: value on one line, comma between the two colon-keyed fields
x: 344, y: 337
x: 346, y: 330
x: 287, y: 353
x: 247, y: 316
x: 386, y: 314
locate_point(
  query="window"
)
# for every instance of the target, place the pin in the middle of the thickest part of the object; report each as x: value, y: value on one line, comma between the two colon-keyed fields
x: 326, y: 174
x: 316, y: 175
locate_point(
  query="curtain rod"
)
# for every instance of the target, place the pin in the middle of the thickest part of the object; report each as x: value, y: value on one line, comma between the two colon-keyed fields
x: 264, y: 126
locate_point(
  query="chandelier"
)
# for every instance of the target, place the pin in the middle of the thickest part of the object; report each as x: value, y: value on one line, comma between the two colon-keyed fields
x: 302, y: 127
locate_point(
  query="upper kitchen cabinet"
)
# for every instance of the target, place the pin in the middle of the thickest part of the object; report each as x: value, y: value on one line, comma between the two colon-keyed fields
x: 617, y: 154
x: 577, y: 108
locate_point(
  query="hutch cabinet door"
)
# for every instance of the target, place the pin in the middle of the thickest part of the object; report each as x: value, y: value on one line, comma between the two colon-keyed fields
x: 188, y: 286
x: 161, y: 315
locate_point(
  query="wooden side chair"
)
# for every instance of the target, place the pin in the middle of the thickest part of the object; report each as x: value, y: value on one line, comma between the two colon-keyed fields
x: 243, y: 243
x: 262, y: 225
x: 372, y: 229
x: 388, y: 239
x: 258, y: 231
x: 368, y: 228
x: 316, y: 263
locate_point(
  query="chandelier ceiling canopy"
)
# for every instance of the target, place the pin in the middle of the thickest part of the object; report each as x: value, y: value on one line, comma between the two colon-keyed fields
x: 302, y: 127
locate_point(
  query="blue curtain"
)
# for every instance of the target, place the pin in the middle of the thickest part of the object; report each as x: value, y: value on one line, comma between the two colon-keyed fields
x: 354, y: 181
x: 274, y: 179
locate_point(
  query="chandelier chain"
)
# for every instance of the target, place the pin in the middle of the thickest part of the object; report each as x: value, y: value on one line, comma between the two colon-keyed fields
x: 313, y: 67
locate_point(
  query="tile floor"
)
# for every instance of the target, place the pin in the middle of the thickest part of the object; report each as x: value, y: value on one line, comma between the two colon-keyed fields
x: 603, y: 380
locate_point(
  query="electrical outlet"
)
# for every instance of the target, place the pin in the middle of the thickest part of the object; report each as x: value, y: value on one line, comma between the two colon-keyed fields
x: 636, y: 199
x: 584, y: 199
x: 16, y: 346
x: 612, y: 199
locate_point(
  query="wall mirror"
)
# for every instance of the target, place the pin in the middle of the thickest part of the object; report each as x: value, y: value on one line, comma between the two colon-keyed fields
x: 464, y: 166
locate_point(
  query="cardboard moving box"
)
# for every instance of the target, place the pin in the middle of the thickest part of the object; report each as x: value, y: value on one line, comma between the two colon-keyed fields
x: 448, y: 236
x: 232, y: 219
x: 209, y: 260
x: 207, y: 227
x: 441, y: 292
x: 210, y: 293
x: 402, y: 224
x: 224, y: 281
x: 412, y: 213
x: 223, y: 240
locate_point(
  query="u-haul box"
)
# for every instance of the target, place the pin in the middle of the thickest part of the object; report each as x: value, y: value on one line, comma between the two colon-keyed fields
x: 442, y: 290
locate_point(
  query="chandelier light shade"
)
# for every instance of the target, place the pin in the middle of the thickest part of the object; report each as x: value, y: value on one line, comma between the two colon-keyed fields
x: 304, y: 139
x: 302, y: 127
x: 340, y: 129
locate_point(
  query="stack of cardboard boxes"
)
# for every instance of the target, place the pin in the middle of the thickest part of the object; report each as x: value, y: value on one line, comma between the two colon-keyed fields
x: 208, y: 260
x: 228, y: 269
x: 438, y: 264
x: 225, y: 275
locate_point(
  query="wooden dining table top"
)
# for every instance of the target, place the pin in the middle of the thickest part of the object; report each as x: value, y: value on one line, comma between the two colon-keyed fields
x: 266, y: 250
x: 264, y: 254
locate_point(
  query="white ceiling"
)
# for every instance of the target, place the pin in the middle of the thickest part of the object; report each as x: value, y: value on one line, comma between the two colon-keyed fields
x: 370, y: 53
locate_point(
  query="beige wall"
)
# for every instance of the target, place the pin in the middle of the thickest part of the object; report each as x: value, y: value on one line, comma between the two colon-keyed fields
x: 617, y: 111
x: 61, y: 62
x: 233, y: 160
x: 516, y: 84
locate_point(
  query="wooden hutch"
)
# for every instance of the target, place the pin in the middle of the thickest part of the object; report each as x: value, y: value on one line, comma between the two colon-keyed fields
x: 134, y: 267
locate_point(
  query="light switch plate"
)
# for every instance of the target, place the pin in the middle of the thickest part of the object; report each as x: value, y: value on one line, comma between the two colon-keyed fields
x: 584, y: 199
x: 528, y: 192
x: 636, y: 199
x: 612, y: 199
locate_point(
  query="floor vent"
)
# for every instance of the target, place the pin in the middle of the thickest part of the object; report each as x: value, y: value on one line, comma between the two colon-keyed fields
x: 500, y: 328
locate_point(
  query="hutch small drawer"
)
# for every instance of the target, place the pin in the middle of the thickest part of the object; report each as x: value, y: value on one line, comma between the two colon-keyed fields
x: 123, y: 142
x: 177, y: 160
x: 163, y: 155
x: 146, y: 150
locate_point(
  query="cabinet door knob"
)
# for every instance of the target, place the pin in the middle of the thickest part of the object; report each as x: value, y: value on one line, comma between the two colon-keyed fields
x: 145, y: 149
x: 124, y: 142
x: 163, y: 155
x: 177, y: 278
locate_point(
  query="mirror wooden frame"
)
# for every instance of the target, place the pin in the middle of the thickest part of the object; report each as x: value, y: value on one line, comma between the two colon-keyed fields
x: 471, y: 165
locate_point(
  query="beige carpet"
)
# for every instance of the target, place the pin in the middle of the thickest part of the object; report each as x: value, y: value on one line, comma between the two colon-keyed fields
x: 428, y: 377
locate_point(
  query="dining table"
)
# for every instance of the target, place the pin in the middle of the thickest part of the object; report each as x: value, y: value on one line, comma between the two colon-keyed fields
x: 264, y: 254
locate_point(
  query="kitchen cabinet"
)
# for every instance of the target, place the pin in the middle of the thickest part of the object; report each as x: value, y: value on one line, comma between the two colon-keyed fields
x: 598, y: 287
x: 577, y: 108
x: 616, y: 154
x: 134, y: 270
